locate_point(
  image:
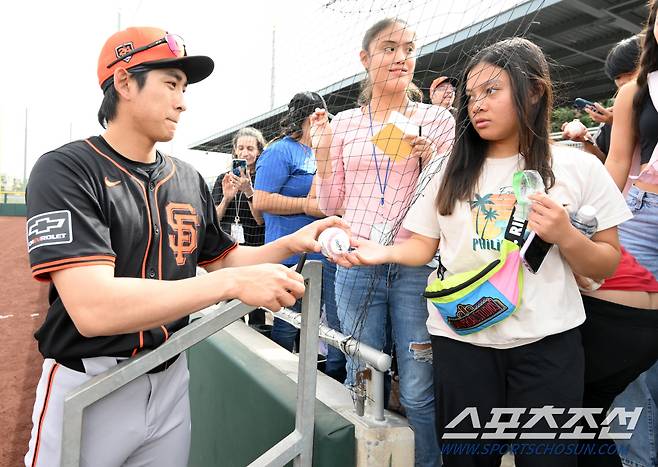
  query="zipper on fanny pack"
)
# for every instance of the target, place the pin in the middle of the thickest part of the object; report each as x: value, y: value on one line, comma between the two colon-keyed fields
x: 463, y: 285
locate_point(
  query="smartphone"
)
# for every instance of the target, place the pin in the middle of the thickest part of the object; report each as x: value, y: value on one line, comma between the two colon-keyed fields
x: 582, y: 103
x: 533, y: 252
x: 239, y: 167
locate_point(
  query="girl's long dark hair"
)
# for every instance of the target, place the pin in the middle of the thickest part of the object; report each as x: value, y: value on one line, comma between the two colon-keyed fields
x: 648, y: 63
x: 529, y: 75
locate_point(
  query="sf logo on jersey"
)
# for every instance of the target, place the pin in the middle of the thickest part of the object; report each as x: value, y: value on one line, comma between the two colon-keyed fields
x: 183, y: 220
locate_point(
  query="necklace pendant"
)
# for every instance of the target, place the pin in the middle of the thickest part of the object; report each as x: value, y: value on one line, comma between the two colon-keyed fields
x: 381, y: 201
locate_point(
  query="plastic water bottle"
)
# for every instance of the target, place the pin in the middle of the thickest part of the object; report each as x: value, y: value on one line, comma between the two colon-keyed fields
x: 585, y: 220
x: 334, y: 241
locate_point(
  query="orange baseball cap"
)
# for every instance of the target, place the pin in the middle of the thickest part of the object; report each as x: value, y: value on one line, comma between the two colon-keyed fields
x: 150, y: 48
x: 442, y: 79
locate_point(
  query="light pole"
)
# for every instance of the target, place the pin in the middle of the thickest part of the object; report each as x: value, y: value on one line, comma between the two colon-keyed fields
x: 25, y: 150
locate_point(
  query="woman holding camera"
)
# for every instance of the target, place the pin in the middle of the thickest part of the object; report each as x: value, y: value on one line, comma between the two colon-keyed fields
x: 233, y: 191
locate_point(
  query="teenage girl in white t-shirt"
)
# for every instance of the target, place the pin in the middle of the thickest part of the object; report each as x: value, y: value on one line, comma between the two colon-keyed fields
x: 533, y: 358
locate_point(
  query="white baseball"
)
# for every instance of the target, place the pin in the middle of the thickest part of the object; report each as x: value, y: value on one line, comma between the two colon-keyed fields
x: 574, y: 128
x: 334, y: 241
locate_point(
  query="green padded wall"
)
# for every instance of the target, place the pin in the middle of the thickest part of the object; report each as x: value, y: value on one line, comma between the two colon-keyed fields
x: 13, y: 209
x: 242, y: 405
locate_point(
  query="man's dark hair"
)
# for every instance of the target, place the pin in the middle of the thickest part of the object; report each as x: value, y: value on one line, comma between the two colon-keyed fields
x: 108, y: 108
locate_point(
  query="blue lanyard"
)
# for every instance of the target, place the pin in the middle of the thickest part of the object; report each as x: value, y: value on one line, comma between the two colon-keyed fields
x: 382, y: 187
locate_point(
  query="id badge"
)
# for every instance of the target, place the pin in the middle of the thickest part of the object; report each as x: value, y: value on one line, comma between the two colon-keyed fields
x: 380, y: 233
x: 237, y: 232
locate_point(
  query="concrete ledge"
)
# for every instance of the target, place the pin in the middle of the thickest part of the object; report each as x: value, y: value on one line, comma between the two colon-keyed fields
x: 388, y: 443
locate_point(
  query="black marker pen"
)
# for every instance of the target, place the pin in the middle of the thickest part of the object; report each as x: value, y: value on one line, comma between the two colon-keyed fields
x: 300, y: 263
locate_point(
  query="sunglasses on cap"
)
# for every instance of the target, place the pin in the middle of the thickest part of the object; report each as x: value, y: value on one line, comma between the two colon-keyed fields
x: 173, y: 41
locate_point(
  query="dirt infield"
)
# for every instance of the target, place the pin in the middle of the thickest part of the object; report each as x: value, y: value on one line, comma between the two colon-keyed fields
x: 22, y: 309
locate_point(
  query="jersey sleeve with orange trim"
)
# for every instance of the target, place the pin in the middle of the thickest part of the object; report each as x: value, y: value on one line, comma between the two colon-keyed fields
x: 216, y: 243
x: 65, y: 223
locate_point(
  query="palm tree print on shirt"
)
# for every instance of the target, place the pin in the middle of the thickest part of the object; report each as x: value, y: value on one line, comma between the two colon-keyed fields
x: 490, y: 213
x: 480, y: 202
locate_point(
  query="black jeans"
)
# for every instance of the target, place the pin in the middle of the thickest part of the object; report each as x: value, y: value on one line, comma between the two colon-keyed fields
x: 620, y: 342
x: 548, y: 372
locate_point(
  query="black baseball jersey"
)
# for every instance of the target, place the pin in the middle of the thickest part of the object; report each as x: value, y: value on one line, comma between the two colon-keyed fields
x: 87, y: 204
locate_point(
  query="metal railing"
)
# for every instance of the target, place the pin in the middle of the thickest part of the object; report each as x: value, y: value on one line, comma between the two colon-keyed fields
x: 370, y: 381
x: 296, y: 447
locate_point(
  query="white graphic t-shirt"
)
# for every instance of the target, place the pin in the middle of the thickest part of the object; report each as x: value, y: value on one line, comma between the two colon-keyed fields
x: 471, y: 237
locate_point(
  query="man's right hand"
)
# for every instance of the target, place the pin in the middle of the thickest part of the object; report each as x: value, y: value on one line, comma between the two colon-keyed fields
x: 271, y: 286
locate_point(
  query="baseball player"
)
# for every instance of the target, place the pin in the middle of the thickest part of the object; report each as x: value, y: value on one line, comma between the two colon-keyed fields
x: 118, y: 229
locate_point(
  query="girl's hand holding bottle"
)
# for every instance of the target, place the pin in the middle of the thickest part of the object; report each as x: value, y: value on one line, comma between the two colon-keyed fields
x: 549, y: 219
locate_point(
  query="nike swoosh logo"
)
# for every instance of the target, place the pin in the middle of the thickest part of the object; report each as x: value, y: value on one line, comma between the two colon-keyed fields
x: 109, y: 183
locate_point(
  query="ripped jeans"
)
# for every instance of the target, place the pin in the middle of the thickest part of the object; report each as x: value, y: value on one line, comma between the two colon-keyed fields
x: 368, y: 296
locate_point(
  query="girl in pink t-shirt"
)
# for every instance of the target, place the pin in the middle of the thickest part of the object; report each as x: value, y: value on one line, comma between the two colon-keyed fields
x: 374, y: 188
